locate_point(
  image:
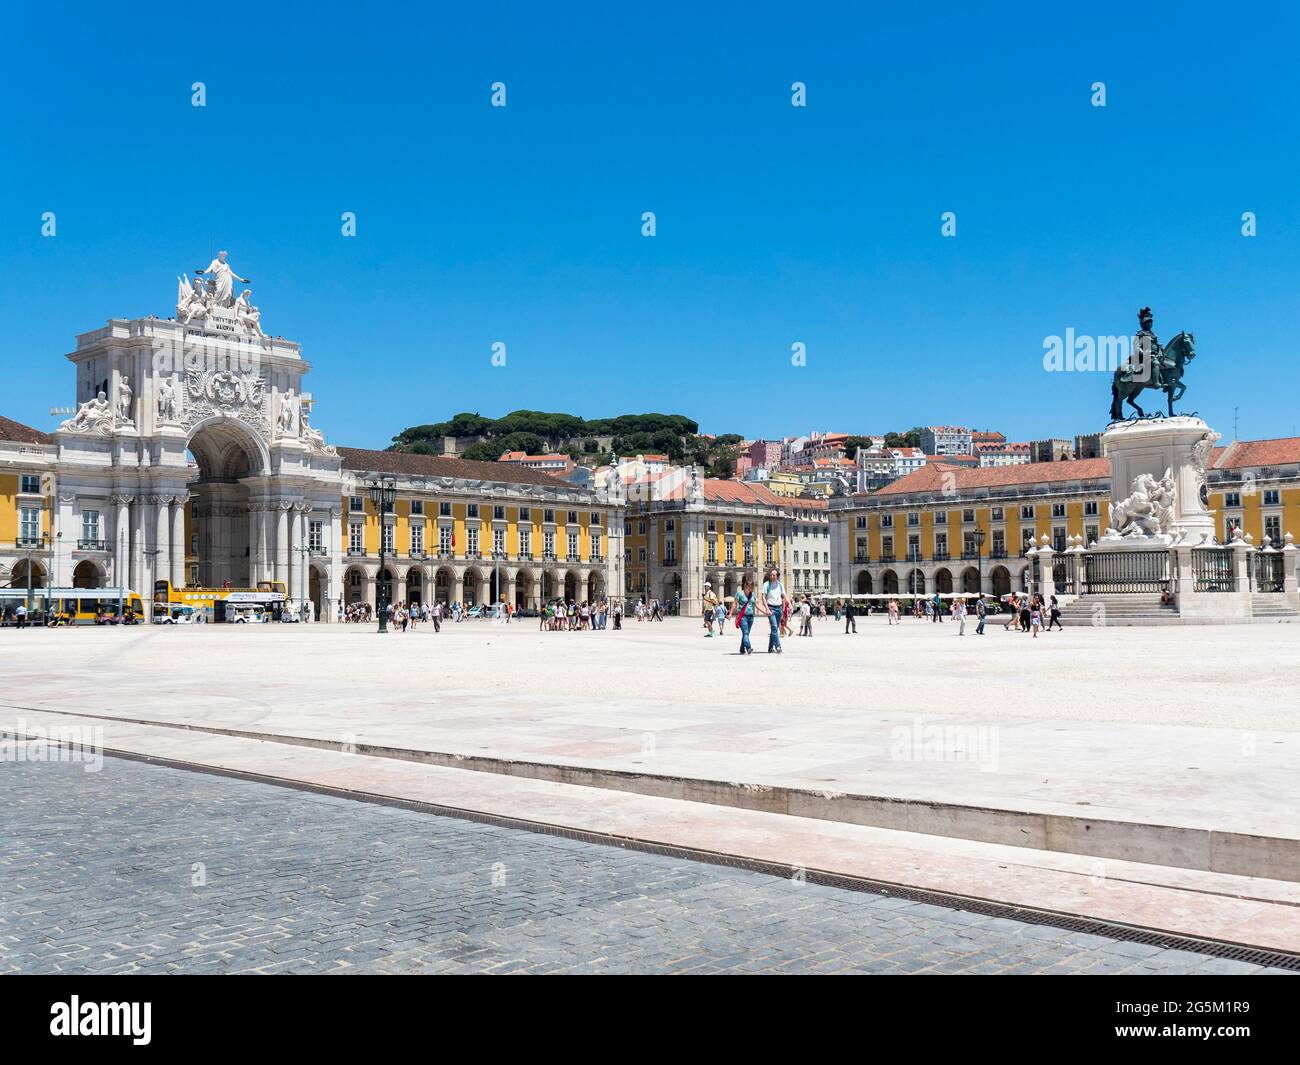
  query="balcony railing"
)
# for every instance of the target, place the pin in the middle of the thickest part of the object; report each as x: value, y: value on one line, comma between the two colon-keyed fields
x: 998, y: 552
x: 887, y: 556
x: 670, y: 562
x: 356, y: 552
x: 446, y: 554
x: 28, y: 541
x: 597, y: 558
x: 92, y: 545
x: 940, y: 556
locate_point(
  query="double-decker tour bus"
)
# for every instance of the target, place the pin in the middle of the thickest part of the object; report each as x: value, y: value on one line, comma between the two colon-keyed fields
x: 265, y: 602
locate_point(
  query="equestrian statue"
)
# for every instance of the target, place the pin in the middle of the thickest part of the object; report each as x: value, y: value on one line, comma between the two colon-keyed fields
x: 1151, y: 365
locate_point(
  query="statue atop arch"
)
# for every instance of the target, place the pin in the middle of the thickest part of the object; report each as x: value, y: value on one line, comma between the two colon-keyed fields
x: 221, y: 286
x: 213, y: 302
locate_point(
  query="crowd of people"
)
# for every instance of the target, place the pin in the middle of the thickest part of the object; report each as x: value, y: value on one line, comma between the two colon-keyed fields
x: 1031, y: 613
x: 768, y: 600
x: 557, y: 615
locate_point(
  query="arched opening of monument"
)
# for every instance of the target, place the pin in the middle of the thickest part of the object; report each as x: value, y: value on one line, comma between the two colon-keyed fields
x: 227, y: 458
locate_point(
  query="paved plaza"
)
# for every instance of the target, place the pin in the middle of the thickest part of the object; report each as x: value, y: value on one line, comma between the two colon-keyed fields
x: 150, y: 869
x: 1194, y: 727
x: 1165, y: 802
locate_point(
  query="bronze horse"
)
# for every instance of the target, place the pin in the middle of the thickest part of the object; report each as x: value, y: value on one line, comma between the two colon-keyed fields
x: 1131, y: 379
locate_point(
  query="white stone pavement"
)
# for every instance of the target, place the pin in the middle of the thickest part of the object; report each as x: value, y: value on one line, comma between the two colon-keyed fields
x: 1187, y: 727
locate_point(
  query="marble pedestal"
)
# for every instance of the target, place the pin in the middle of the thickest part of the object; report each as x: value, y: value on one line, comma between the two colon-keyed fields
x: 1180, y: 445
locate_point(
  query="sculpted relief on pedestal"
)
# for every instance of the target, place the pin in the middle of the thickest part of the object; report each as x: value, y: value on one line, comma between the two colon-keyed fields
x: 1147, y: 512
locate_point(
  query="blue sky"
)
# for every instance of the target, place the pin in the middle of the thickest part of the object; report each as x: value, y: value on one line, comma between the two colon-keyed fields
x: 776, y: 224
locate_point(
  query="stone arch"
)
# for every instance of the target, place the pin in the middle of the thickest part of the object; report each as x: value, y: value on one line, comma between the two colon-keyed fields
x: 230, y: 456
x: 863, y: 585
x: 916, y: 582
x: 354, y: 585
x: 89, y: 574
x: 415, y: 585
x: 223, y: 443
x: 729, y: 586
x: 523, y: 588
x: 970, y: 580
x: 18, y: 575
x: 1000, y: 578
x: 1024, y: 578
x: 317, y: 589
x: 889, y: 582
x: 572, y: 582
x: 444, y: 582
x: 473, y: 587
x: 550, y: 585
x: 385, y: 587
x: 672, y: 588
x: 596, y: 586
x: 943, y: 580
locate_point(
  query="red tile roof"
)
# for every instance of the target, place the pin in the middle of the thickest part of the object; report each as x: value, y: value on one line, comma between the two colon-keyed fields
x: 1242, y: 453
x: 403, y: 462
x: 938, y: 476
x: 741, y: 492
x: 19, y: 433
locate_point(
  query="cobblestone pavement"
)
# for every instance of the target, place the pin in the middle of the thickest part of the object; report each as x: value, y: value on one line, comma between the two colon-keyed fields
x: 141, y: 868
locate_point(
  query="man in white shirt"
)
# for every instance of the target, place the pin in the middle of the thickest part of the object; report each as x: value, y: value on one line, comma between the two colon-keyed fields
x: 773, y: 597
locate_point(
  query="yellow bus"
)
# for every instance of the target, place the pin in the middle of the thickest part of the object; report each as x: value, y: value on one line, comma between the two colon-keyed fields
x: 74, y: 606
x: 218, y: 604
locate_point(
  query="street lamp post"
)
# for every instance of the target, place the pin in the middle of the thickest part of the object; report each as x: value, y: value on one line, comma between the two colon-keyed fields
x: 979, y: 558
x: 383, y: 493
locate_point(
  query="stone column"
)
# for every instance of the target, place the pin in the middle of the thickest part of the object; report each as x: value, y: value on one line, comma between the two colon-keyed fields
x: 281, y: 561
x: 162, y: 540
x: 1240, y: 553
x: 137, y: 549
x: 122, y: 542
x: 254, y: 543
x: 1185, y: 582
x: 178, y: 544
x: 1046, y: 576
x: 296, y: 589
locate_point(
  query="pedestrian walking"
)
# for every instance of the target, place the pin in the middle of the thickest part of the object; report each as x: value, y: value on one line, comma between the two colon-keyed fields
x: 850, y: 620
x: 981, y: 611
x: 746, y: 605
x: 710, y: 606
x: 775, y: 603
x: 1054, y: 615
